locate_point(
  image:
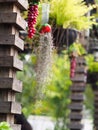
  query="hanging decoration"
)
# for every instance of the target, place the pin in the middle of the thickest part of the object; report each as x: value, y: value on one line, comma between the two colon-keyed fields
x: 72, y: 67
x: 75, y: 50
x: 32, y: 17
x: 46, y: 28
x: 44, y: 60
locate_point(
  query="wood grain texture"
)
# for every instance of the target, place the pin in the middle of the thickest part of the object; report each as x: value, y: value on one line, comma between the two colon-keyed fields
x: 75, y: 126
x: 7, y: 117
x: 12, y: 40
x: 79, y: 78
x: 22, y: 4
x: 76, y: 106
x: 15, y: 127
x: 13, y: 18
x: 10, y: 84
x: 10, y: 107
x: 77, y: 88
x: 11, y: 62
x: 76, y: 116
x: 78, y: 70
x: 77, y: 96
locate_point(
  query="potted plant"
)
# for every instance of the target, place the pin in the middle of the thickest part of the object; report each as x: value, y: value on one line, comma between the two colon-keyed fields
x: 67, y: 17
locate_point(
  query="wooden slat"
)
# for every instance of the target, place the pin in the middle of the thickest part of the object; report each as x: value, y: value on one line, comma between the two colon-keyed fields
x: 78, y: 88
x: 76, y: 106
x: 96, y: 104
x: 15, y: 127
x: 79, y: 79
x: 17, y: 64
x: 96, y: 93
x: 96, y: 116
x: 12, y: 40
x: 75, y: 126
x: 96, y: 122
x: 80, y: 70
x: 75, y: 115
x: 10, y: 84
x: 81, y: 84
x: 96, y: 98
x: 96, y: 111
x: 81, y: 60
x: 22, y: 4
x: 13, y: 18
x: 77, y: 97
x: 11, y: 62
x: 10, y: 107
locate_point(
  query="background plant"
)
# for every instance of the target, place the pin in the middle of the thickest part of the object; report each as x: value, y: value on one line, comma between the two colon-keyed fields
x: 5, y: 126
x: 74, y: 14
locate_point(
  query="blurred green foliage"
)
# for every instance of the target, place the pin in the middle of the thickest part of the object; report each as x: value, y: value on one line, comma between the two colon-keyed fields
x: 89, y: 100
x: 28, y: 77
x: 4, y: 126
x: 56, y: 95
x: 91, y: 63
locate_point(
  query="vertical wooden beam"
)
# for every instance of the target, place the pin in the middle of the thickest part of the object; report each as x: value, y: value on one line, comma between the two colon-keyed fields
x: 11, y: 23
x: 77, y: 95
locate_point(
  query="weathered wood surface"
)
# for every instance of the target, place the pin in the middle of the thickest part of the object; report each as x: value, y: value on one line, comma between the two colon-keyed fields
x: 76, y: 116
x: 79, y: 79
x: 78, y: 88
x: 15, y: 127
x: 6, y: 29
x: 77, y: 97
x: 81, y: 61
x: 96, y: 93
x: 11, y: 23
x: 10, y: 84
x: 75, y: 126
x: 11, y: 62
x: 7, y: 72
x: 9, y: 118
x: 10, y: 107
x: 96, y: 116
x: 7, y: 95
x: 11, y: 40
x: 13, y: 18
x: 82, y: 70
x: 96, y: 104
x: 22, y: 4
x: 76, y: 106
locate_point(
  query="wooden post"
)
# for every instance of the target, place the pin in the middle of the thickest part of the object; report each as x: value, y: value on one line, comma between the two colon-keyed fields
x: 77, y: 95
x: 11, y: 23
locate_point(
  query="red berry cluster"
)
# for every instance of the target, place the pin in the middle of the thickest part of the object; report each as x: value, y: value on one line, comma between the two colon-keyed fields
x: 46, y: 28
x: 32, y: 19
x: 72, y: 67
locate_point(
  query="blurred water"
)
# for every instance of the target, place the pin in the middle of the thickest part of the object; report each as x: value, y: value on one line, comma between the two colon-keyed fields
x: 41, y: 123
x: 87, y: 120
x: 47, y: 123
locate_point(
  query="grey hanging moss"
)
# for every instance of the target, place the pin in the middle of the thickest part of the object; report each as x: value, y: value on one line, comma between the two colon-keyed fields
x: 44, y: 62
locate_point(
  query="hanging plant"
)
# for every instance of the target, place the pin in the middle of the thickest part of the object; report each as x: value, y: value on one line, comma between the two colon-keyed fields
x: 32, y: 17
x: 44, y: 58
x: 68, y: 17
x: 70, y: 13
